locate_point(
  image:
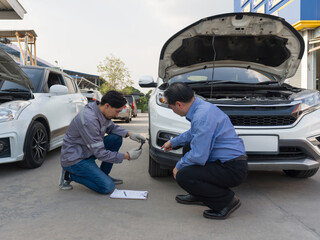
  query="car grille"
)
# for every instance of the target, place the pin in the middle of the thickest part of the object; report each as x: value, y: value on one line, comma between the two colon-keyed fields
x: 284, y: 154
x: 262, y: 120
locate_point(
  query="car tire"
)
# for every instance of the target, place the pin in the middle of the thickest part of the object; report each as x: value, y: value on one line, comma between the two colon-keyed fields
x: 155, y: 170
x: 36, y: 146
x: 127, y: 120
x: 301, y: 173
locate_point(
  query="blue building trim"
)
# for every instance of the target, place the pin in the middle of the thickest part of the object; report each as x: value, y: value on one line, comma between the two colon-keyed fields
x: 310, y: 10
x: 292, y: 10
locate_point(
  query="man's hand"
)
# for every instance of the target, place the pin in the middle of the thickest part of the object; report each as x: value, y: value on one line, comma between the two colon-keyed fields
x: 136, y: 137
x: 175, y: 171
x: 134, y: 153
x: 167, y: 146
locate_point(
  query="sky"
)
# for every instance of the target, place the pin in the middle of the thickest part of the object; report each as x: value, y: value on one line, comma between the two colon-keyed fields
x: 80, y: 34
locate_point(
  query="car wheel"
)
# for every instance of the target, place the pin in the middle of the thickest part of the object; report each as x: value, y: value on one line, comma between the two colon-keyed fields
x: 127, y: 120
x: 36, y: 146
x: 301, y: 173
x: 155, y: 170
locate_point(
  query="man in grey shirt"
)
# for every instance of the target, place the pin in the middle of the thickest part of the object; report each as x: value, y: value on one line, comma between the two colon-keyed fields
x: 86, y: 140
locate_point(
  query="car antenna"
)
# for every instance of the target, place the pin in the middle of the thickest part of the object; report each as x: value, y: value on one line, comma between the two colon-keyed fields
x: 214, y: 59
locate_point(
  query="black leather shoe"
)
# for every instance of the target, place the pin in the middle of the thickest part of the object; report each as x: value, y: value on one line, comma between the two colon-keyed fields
x: 225, y: 212
x: 188, y: 199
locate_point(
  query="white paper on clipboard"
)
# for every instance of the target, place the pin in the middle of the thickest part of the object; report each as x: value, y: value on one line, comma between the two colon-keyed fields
x: 129, y: 194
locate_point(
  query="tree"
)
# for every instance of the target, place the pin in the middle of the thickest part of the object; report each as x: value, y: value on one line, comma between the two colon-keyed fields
x: 129, y: 90
x: 116, y: 74
x: 143, y: 102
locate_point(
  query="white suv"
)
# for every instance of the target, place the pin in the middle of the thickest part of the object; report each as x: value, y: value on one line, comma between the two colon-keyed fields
x: 239, y: 62
x: 37, y: 105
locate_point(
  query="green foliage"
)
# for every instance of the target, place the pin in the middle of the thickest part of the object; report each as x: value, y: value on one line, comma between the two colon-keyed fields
x: 116, y: 74
x: 105, y: 87
x: 129, y: 90
x: 148, y: 94
x: 143, y: 102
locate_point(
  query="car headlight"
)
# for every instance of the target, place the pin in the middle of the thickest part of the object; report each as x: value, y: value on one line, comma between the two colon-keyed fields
x: 161, y: 100
x: 308, y: 103
x: 12, y: 110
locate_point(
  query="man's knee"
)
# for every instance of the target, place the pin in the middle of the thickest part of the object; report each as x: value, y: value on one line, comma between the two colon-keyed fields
x: 182, y: 176
x: 186, y: 176
x: 112, y: 142
x: 106, y: 188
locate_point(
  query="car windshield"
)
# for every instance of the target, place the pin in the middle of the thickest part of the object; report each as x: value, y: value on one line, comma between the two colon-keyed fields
x: 224, y: 74
x: 35, y: 76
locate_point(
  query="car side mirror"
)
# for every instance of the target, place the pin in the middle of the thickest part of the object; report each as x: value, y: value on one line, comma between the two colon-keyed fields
x: 58, y: 90
x: 147, y: 82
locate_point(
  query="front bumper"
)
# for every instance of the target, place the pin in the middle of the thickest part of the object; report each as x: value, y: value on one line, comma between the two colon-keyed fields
x: 167, y: 160
x: 15, y: 132
x: 307, y: 158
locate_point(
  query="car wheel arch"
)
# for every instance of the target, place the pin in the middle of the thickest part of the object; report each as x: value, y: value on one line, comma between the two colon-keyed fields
x: 37, y: 118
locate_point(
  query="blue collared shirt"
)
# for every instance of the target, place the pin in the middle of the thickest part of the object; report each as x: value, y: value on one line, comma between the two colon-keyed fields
x: 212, y: 136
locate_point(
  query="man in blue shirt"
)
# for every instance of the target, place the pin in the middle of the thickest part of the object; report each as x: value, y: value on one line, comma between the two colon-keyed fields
x: 215, y: 159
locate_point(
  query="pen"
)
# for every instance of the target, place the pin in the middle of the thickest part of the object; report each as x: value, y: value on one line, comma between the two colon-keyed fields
x: 124, y: 193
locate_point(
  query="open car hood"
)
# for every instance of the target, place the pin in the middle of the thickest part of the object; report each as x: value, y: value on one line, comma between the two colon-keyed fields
x: 251, y: 40
x: 10, y: 71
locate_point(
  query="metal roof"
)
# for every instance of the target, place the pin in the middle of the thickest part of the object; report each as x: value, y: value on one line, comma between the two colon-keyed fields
x: 11, y: 9
x: 14, y: 50
x: 12, y: 33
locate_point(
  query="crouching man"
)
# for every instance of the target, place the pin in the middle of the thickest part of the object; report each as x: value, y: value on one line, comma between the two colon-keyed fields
x: 215, y: 159
x: 86, y: 140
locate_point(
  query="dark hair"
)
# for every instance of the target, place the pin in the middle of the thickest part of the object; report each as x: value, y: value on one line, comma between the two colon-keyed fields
x: 114, y: 98
x: 178, y: 91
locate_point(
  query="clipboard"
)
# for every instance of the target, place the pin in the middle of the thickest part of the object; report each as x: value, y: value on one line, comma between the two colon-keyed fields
x: 129, y: 194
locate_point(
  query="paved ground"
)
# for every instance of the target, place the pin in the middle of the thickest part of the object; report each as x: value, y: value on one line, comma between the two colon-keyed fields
x: 32, y: 206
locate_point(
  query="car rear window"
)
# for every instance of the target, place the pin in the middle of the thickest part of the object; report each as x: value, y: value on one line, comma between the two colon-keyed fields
x: 129, y: 99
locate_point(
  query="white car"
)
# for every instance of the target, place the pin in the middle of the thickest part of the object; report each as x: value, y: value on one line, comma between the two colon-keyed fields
x: 91, y: 95
x: 37, y: 105
x: 239, y: 62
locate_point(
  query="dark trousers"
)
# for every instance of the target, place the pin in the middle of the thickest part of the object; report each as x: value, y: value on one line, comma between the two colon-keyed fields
x: 211, y: 183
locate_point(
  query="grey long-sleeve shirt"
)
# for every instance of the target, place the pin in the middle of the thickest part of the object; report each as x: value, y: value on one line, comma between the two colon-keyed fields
x: 84, y: 137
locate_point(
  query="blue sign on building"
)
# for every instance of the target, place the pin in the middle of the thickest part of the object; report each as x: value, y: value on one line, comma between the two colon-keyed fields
x: 293, y: 11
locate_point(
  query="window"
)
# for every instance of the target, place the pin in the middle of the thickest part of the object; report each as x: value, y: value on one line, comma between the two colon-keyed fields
x: 54, y: 79
x: 70, y: 84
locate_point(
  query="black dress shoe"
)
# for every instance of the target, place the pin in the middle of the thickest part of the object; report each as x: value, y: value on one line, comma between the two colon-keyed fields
x: 225, y: 212
x: 188, y: 199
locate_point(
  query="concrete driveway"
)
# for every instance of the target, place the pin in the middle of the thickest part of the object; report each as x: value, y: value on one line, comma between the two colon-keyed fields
x: 274, y: 206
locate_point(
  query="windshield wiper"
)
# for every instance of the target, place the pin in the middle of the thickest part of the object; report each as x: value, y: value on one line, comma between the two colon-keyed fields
x: 215, y: 82
x: 15, y: 90
x: 267, y: 83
